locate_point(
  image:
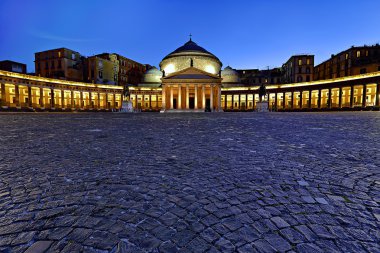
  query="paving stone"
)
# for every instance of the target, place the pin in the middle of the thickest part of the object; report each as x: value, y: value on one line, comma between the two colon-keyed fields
x: 308, y: 248
x: 39, y: 247
x: 278, y: 242
x: 279, y: 222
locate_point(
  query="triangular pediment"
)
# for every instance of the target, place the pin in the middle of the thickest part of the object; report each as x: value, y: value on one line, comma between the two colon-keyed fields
x: 191, y: 73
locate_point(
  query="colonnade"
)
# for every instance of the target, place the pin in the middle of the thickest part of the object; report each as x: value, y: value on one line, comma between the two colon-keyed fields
x: 352, y: 96
x: 41, y: 97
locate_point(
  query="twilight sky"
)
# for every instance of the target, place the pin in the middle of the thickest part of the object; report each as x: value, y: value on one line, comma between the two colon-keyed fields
x: 243, y: 34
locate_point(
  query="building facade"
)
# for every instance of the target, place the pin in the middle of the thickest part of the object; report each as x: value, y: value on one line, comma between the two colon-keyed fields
x: 299, y: 68
x: 353, y: 61
x: 60, y: 63
x: 13, y: 66
x: 101, y: 71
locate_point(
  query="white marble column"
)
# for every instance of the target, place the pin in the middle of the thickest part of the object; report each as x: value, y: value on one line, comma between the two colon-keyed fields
x: 171, y: 97
x: 195, y: 96
x: 211, y: 97
x: 203, y: 97
x: 179, y: 102
x: 187, y: 96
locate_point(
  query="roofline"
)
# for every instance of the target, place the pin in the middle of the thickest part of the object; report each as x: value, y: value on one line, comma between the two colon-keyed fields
x: 57, y: 49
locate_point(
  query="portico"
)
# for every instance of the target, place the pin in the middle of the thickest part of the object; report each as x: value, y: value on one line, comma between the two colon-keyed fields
x: 191, y: 89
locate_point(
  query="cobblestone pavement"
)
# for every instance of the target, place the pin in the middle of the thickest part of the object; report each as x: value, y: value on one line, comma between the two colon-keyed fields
x: 229, y: 182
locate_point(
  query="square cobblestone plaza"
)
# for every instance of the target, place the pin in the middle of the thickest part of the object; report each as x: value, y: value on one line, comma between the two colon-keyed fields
x: 223, y: 182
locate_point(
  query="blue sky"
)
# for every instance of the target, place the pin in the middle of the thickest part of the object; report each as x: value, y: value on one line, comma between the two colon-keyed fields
x: 243, y: 34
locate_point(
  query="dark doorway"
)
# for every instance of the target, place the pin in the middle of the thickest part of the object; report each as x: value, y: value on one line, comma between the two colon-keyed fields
x: 191, y: 103
x: 208, y: 108
x: 174, y: 103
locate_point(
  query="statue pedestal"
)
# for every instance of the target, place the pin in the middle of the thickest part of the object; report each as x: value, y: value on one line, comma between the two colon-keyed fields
x: 126, y: 106
x: 262, y: 106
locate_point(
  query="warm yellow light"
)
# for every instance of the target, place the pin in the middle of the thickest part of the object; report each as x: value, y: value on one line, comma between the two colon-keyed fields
x: 210, y: 69
x: 169, y: 69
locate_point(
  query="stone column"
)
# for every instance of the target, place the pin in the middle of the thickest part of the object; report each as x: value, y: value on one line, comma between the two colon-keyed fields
x: 17, y: 95
x: 219, y: 98
x: 171, y: 96
x: 283, y: 100
x: 211, y: 98
x: 196, y: 96
x: 72, y: 99
x: 352, y: 97
x: 3, y: 95
x: 150, y: 101
x: 98, y: 102
x: 30, y: 102
x: 292, y: 100
x: 377, y: 99
x: 179, y: 103
x: 187, y: 96
x: 107, y: 107
x: 301, y: 97
x: 137, y: 100
x: 340, y: 97
x: 239, y: 103
x: 246, y: 101
x: 90, y: 99
x: 156, y: 101
x: 203, y: 97
x: 42, y: 104
x: 52, y: 102
x: 329, y: 98
x: 62, y: 99
x: 114, y: 101
x: 310, y: 97
x: 225, y: 102
x: 233, y: 102
x: 364, y: 95
x: 81, y: 99
x: 275, y: 101
x: 163, y: 99
x: 319, y: 98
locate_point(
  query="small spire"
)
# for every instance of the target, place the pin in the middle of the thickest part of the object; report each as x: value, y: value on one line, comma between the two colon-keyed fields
x: 190, y: 36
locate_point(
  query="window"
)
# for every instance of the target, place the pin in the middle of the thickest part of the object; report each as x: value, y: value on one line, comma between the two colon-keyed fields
x: 52, y: 65
x: 308, y: 70
x: 307, y: 78
x: 299, y: 70
x: 59, y: 54
x: 100, y: 74
x: 358, y: 54
x: 299, y: 62
x: 59, y: 63
x: 299, y: 79
x: 366, y: 53
x: 308, y: 61
x: 46, y: 65
x: 73, y: 56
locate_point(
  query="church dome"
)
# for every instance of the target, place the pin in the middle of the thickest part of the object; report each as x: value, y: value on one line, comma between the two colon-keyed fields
x: 152, y: 75
x: 230, y: 75
x: 190, y: 54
